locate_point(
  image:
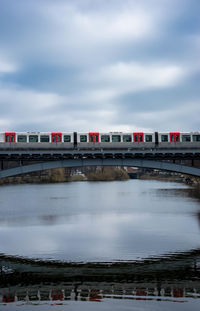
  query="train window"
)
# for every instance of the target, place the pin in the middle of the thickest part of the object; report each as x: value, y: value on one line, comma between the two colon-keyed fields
x: 196, y: 137
x: 33, y: 139
x: 148, y: 138
x: 164, y: 138
x: 96, y: 138
x: 22, y: 139
x: 58, y: 139
x: 186, y: 138
x: 105, y: 138
x: 126, y: 138
x: 116, y: 138
x: 67, y: 138
x: 83, y: 138
x: 7, y: 139
x: 44, y: 139
x: 177, y: 137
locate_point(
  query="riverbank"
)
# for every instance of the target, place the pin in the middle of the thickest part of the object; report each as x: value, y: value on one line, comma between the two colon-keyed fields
x: 190, y: 180
x: 161, y: 177
x: 186, y: 179
x: 95, y: 174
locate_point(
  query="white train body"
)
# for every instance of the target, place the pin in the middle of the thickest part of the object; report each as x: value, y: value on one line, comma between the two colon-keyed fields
x: 87, y: 140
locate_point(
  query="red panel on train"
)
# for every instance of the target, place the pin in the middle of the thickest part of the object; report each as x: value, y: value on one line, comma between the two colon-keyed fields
x: 138, y: 137
x: 94, y: 137
x: 10, y: 137
x: 174, y: 137
x: 56, y: 137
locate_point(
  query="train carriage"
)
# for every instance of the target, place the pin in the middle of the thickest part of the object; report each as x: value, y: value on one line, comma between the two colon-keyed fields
x: 99, y: 140
x: 115, y: 140
x: 39, y: 140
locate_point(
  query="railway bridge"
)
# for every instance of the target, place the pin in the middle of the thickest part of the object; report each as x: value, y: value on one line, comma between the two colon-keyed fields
x: 15, y: 160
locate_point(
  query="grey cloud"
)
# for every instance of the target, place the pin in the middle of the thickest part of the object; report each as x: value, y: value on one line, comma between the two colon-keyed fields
x: 73, y: 63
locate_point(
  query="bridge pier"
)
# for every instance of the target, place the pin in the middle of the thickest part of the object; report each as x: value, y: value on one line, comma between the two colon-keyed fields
x: 1, y: 165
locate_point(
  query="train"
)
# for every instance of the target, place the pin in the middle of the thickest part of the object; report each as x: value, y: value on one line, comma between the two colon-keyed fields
x: 104, y: 140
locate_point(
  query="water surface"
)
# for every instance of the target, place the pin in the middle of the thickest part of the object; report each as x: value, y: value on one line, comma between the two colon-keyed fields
x: 98, y: 221
x: 131, y: 245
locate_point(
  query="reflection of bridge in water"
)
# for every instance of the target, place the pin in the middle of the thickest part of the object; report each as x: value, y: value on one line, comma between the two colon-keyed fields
x: 175, y: 276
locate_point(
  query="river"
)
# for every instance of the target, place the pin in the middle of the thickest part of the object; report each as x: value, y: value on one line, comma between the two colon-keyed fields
x: 135, y: 241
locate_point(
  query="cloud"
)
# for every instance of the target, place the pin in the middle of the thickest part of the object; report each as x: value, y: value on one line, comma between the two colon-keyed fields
x: 7, y: 66
x: 25, y: 107
x: 100, y: 26
x: 99, y: 65
x: 4, y: 124
x: 173, y: 118
x: 63, y: 33
x: 122, y: 78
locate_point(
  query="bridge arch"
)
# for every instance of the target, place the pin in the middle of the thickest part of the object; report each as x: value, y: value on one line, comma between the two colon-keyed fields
x: 167, y: 166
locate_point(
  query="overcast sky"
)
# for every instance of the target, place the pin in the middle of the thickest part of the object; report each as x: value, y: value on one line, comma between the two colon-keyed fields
x: 99, y: 65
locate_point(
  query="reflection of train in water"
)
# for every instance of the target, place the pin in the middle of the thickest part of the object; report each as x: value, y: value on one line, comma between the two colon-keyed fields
x: 98, y: 292
x: 109, y: 140
x: 173, y: 277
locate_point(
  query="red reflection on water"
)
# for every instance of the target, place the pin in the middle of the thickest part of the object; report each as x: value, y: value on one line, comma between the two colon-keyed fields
x: 178, y: 292
x: 57, y: 294
x: 8, y: 298
x: 95, y: 296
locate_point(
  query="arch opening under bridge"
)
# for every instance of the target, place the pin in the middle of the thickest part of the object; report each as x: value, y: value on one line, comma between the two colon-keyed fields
x: 160, y: 165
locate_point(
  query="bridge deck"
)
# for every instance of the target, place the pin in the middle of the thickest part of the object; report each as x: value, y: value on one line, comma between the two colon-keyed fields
x: 60, y: 153
x: 156, y: 157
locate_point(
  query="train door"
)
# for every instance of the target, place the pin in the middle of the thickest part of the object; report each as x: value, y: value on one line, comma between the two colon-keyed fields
x: 174, y: 137
x: 10, y: 137
x: 138, y: 137
x: 93, y: 137
x: 56, y: 137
